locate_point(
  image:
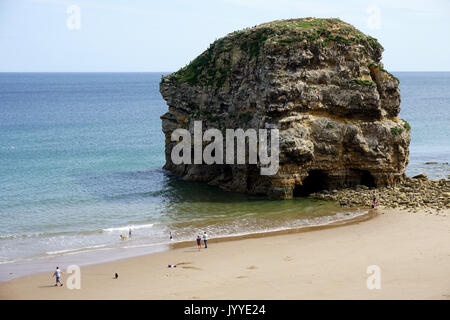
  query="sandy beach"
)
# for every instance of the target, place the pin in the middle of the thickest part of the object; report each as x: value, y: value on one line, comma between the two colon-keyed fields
x: 411, y: 250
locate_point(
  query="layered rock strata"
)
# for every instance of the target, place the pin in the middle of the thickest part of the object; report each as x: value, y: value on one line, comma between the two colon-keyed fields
x: 320, y: 82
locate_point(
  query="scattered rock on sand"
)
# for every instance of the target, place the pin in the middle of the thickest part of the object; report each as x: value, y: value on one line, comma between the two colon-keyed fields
x: 412, y: 194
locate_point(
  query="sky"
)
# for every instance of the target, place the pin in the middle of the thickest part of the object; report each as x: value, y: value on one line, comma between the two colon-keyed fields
x: 163, y: 36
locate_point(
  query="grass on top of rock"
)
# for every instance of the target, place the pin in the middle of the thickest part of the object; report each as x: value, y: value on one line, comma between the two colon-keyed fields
x: 208, y: 68
x: 253, y: 42
x: 213, y: 67
x: 326, y: 30
x: 396, y: 131
x: 406, y: 125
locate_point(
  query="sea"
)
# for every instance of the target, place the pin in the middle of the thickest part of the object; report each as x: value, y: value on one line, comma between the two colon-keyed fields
x: 81, y: 158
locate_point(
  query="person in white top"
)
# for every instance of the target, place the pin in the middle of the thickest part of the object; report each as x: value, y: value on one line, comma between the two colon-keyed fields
x: 57, y: 273
x: 205, y: 238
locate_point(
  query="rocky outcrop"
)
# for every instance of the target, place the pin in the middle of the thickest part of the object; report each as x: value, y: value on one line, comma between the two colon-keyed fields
x: 319, y: 81
x: 411, y: 194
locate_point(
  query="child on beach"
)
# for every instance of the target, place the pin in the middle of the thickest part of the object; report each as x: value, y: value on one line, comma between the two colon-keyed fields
x: 199, y: 242
x: 57, y: 273
x: 374, y: 202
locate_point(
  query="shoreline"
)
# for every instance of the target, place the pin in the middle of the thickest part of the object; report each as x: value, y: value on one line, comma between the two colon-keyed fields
x: 111, y: 254
x: 415, y: 246
x: 370, y: 214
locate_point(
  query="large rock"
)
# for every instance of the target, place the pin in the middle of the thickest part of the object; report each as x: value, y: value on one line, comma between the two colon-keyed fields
x: 319, y: 81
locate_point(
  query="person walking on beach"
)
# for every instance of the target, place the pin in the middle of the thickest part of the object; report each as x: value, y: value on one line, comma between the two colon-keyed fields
x: 374, y: 202
x: 57, y: 274
x: 129, y: 232
x: 199, y: 242
x: 170, y: 235
x: 205, y: 238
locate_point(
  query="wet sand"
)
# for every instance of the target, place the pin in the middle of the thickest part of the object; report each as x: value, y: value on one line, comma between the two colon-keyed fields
x: 411, y: 250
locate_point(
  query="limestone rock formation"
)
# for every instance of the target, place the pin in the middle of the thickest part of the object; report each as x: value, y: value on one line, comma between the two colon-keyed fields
x: 319, y: 81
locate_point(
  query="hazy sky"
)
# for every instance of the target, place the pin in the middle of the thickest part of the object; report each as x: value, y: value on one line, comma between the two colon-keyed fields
x: 147, y: 35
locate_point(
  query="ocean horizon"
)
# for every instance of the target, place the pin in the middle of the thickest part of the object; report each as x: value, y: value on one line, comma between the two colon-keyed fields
x: 81, y: 163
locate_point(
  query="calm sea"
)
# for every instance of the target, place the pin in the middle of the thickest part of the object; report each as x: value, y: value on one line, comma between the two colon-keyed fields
x: 81, y: 157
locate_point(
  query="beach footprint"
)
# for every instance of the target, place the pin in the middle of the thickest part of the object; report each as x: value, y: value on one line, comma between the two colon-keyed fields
x: 252, y: 268
x: 288, y: 258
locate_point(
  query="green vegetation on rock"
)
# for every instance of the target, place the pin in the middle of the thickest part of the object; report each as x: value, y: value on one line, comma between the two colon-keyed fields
x: 254, y: 41
x: 406, y: 125
x: 214, y: 66
x: 206, y: 69
x: 396, y: 131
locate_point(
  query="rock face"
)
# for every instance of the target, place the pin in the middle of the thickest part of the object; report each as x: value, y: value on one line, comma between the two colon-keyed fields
x: 319, y: 81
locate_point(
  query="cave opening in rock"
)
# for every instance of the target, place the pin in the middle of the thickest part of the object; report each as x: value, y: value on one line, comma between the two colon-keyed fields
x: 316, y: 180
x: 367, y: 179
x: 352, y: 178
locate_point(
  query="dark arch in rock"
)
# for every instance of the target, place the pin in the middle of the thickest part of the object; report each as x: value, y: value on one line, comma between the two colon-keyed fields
x: 318, y: 180
x: 367, y: 179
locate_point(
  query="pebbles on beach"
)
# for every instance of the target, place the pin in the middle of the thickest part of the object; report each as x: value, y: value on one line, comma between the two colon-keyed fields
x: 411, y: 194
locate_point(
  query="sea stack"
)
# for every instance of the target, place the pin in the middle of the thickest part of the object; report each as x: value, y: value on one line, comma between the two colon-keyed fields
x: 320, y: 82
